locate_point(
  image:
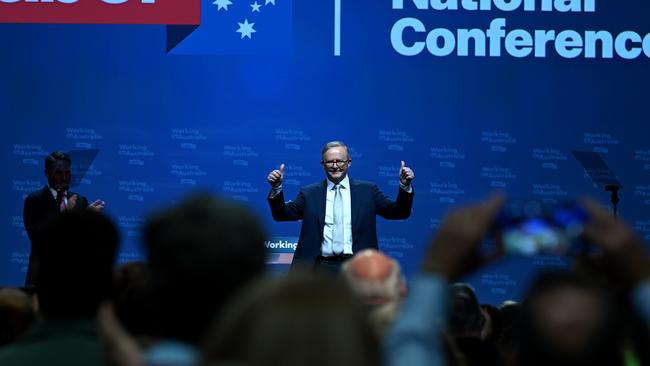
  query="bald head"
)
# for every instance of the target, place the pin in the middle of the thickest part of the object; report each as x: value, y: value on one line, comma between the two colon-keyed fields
x: 374, y: 277
x: 370, y: 265
x: 377, y: 281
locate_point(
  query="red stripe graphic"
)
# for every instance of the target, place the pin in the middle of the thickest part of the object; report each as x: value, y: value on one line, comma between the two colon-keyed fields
x: 279, y: 258
x: 101, y: 11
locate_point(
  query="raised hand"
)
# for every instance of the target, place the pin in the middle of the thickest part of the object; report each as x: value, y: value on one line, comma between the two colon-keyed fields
x: 275, y: 177
x: 97, y: 206
x: 72, y: 202
x: 626, y: 256
x: 406, y: 175
x: 454, y: 251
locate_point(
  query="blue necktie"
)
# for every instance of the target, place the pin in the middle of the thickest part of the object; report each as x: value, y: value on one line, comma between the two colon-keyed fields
x: 337, y: 232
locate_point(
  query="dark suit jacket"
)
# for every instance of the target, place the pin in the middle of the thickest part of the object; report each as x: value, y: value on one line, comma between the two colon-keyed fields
x: 367, y: 201
x: 40, y: 208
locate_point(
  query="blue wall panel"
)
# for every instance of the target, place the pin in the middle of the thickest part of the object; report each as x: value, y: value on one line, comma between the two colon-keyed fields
x: 219, y: 116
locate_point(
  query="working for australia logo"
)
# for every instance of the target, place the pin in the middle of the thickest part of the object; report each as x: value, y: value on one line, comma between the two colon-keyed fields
x: 236, y: 27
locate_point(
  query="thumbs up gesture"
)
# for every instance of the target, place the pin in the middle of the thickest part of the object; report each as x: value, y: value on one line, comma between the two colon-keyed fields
x: 275, y: 177
x: 406, y: 175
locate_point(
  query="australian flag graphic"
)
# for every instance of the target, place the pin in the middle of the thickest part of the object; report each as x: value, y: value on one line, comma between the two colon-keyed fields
x: 236, y: 27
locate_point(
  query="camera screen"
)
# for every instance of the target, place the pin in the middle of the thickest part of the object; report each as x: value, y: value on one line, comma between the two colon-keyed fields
x: 533, y: 228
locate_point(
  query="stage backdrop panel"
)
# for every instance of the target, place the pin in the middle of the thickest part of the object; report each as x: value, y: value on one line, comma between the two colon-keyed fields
x: 475, y: 96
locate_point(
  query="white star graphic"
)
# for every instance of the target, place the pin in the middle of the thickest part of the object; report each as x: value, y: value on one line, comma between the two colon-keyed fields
x: 256, y: 7
x: 222, y: 4
x: 269, y: 2
x: 246, y: 29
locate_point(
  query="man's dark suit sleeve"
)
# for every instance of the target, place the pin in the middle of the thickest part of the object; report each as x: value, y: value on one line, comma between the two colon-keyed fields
x: 38, y: 210
x: 37, y: 213
x: 287, y: 211
x: 34, y: 217
x: 393, y: 210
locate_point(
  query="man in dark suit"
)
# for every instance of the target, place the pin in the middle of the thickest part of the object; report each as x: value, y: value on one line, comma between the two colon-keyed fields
x: 338, y: 214
x: 42, y: 206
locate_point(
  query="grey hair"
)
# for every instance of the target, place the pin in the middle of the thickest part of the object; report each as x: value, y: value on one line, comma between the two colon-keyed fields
x: 332, y: 144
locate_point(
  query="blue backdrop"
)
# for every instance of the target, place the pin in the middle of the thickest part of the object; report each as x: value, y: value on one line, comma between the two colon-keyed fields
x: 221, y: 109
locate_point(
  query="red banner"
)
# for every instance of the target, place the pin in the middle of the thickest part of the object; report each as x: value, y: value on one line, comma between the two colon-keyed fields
x: 101, y: 11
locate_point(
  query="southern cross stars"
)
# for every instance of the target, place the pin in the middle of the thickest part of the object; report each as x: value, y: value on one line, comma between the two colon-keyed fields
x: 222, y: 4
x: 256, y: 7
x: 246, y: 29
x: 269, y: 2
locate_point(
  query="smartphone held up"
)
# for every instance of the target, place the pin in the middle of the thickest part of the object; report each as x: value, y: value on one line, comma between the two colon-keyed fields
x: 533, y: 227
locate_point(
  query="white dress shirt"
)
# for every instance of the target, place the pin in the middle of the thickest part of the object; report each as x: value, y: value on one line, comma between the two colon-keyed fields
x: 328, y: 228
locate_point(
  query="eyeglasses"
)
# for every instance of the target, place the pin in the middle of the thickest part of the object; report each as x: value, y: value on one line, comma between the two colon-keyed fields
x: 337, y: 163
